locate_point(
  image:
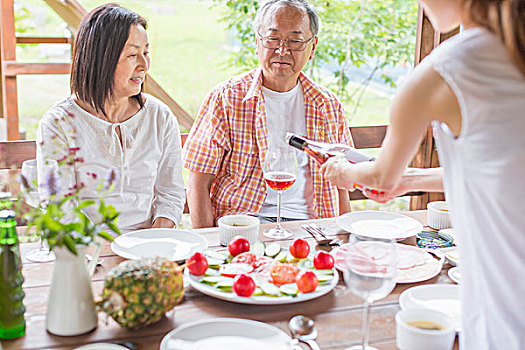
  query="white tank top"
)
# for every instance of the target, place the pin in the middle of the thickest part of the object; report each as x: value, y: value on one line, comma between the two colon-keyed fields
x: 285, y: 112
x: 485, y: 186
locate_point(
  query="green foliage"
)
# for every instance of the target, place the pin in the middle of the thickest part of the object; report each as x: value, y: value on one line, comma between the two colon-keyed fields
x: 60, y: 219
x: 353, y: 33
x: 22, y: 16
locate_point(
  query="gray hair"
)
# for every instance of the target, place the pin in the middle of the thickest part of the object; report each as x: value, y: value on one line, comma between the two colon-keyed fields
x: 302, y: 5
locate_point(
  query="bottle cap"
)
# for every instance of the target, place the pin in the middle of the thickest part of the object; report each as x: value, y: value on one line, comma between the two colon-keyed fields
x: 7, y: 214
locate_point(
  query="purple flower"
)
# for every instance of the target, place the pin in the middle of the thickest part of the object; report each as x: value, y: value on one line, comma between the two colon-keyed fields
x: 111, y: 179
x: 51, y: 185
x: 25, y: 183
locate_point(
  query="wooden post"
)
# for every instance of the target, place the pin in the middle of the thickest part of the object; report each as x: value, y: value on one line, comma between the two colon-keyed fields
x: 9, y: 101
x: 426, y: 40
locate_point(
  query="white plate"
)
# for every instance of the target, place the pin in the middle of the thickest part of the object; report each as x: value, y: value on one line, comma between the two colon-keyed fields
x: 455, y: 274
x: 176, y: 245
x: 414, y: 264
x: 226, y: 327
x: 441, y: 297
x: 101, y: 346
x: 379, y: 224
x: 452, y: 255
x: 321, y: 290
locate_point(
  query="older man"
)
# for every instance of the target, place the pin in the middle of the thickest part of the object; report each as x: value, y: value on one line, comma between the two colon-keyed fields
x: 242, y: 117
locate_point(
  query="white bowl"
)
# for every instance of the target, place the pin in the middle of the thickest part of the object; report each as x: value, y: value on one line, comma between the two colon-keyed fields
x: 241, y: 225
x: 409, y: 337
x: 438, y: 215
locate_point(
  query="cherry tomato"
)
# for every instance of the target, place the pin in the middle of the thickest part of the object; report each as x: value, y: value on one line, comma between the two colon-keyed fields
x: 238, y: 245
x: 306, y: 281
x: 284, y: 273
x: 300, y: 248
x: 243, y: 285
x: 232, y: 270
x: 323, y: 260
x: 245, y: 258
x: 197, y: 264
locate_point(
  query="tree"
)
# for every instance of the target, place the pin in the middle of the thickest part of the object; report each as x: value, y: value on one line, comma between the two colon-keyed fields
x: 375, y: 33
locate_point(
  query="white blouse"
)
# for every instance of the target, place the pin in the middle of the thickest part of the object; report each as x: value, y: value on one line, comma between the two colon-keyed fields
x: 148, y: 160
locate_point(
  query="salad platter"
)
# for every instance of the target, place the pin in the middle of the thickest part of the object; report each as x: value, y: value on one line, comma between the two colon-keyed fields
x: 275, y: 272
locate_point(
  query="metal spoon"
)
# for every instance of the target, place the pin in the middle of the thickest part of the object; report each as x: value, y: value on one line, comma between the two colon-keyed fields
x: 303, y: 328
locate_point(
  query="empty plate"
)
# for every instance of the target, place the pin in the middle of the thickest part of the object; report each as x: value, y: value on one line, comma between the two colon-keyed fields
x: 176, y: 245
x: 379, y: 224
x: 101, y: 346
x: 222, y: 333
x: 455, y: 274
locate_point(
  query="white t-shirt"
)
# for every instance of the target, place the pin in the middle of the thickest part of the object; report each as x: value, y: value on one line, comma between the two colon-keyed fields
x: 285, y: 112
x: 148, y: 162
x: 484, y: 178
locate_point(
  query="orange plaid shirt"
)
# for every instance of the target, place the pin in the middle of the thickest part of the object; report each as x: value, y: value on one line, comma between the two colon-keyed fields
x: 229, y: 139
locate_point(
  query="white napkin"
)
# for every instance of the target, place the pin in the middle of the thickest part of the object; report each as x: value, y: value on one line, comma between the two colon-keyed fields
x: 228, y: 343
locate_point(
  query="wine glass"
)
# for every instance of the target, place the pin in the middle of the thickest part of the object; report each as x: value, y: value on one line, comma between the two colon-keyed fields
x: 33, y: 199
x: 370, y: 273
x: 280, y: 167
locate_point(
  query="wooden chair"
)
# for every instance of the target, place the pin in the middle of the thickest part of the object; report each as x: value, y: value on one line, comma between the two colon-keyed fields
x: 13, y: 153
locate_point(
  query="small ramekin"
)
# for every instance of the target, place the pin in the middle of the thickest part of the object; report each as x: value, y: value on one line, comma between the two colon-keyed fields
x: 438, y: 215
x: 228, y: 228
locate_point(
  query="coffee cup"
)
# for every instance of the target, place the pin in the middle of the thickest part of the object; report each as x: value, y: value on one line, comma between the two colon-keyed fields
x: 438, y: 215
x: 427, y: 329
x: 238, y: 225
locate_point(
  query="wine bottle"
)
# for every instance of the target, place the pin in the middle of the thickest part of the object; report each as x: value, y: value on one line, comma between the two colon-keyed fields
x: 12, y: 323
x: 321, y: 152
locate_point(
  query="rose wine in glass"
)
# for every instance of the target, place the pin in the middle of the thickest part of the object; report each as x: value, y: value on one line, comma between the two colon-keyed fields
x: 370, y: 273
x: 280, y: 167
x: 33, y: 199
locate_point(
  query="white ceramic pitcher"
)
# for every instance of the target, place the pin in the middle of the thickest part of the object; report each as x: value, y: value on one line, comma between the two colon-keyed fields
x: 71, y: 307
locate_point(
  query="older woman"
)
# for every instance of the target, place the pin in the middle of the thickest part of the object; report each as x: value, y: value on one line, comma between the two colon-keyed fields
x: 112, y: 125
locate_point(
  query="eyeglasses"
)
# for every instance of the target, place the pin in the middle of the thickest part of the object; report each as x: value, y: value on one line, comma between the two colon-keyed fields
x: 270, y: 42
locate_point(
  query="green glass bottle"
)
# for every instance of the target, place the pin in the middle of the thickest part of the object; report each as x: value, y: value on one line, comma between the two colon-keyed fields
x: 12, y: 323
x: 5, y: 200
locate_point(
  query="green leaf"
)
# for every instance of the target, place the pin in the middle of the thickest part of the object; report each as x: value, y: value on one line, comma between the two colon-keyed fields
x: 85, y: 204
x: 106, y: 236
x: 70, y: 244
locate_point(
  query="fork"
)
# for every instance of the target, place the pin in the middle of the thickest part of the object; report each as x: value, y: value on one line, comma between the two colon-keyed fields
x: 315, y: 235
x: 320, y: 231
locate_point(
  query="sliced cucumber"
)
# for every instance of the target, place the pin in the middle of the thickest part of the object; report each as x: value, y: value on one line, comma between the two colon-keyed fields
x: 272, y: 249
x: 281, y: 257
x: 211, y: 272
x: 323, y: 272
x: 324, y: 278
x: 214, y: 262
x: 211, y: 280
x: 270, y: 289
x: 225, y: 285
x: 210, y: 253
x: 289, y: 289
x: 258, y: 291
x: 305, y: 263
x: 258, y: 248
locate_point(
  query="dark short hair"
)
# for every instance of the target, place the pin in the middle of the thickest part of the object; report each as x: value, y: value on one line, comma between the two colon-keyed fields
x: 303, y: 5
x: 100, y: 40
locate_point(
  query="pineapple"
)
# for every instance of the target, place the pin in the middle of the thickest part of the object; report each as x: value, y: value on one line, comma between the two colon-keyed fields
x: 138, y: 292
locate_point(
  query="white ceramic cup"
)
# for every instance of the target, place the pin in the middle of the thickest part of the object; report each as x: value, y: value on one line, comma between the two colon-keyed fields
x: 243, y: 225
x: 438, y: 216
x: 412, y: 338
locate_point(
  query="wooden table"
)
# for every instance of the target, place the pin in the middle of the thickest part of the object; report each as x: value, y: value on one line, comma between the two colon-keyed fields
x: 338, y: 315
